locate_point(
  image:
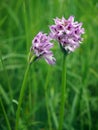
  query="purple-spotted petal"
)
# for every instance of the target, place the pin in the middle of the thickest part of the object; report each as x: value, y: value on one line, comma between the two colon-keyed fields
x: 49, y: 59
x: 41, y: 46
x: 67, y: 32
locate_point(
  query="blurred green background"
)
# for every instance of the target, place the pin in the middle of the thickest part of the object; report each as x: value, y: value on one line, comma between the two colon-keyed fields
x: 20, y: 21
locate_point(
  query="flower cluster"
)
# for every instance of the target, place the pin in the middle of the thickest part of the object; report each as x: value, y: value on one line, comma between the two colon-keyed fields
x: 67, y: 33
x: 41, y: 46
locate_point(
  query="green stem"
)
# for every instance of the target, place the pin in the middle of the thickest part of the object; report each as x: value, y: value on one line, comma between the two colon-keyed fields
x: 63, y: 96
x: 21, y: 96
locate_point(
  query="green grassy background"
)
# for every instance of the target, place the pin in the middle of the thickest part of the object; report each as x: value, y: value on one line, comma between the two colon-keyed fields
x: 19, y: 22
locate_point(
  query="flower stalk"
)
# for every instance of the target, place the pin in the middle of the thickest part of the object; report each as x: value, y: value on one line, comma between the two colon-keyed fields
x: 63, y: 93
x: 21, y: 96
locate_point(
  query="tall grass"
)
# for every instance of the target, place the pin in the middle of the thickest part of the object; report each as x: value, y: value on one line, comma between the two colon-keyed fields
x: 19, y: 22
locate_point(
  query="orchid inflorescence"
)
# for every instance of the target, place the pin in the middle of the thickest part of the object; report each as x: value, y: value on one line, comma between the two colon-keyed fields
x: 41, y: 46
x: 66, y: 32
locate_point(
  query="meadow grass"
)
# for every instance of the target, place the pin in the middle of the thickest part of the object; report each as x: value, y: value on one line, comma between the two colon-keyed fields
x: 19, y: 22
